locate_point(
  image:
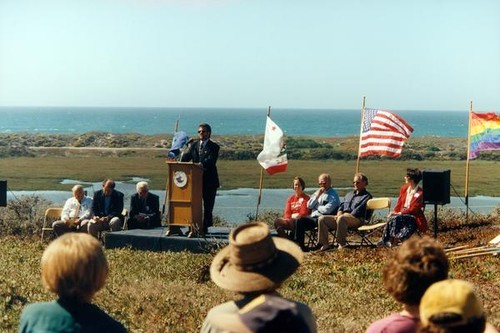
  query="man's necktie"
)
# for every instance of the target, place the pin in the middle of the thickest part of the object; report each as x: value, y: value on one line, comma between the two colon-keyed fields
x: 201, y: 147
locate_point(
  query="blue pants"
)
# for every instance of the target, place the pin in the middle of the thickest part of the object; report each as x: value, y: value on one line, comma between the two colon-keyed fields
x: 400, y: 227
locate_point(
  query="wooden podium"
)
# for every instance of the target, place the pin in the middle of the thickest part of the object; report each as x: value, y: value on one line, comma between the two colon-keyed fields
x: 184, y: 195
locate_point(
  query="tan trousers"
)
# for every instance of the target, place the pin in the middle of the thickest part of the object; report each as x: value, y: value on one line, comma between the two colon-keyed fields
x: 339, y: 223
x: 115, y: 224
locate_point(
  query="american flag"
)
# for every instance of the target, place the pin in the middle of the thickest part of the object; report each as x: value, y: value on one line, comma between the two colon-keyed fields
x: 383, y: 133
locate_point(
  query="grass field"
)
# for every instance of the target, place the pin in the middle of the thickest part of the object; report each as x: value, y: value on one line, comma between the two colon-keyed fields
x: 172, y: 292
x: 46, y: 172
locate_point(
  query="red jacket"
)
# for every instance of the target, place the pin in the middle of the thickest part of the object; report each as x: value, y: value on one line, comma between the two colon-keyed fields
x: 416, y: 206
x: 296, y: 205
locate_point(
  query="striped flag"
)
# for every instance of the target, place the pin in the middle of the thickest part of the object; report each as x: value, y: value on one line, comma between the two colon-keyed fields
x: 484, y: 133
x: 383, y: 133
x: 271, y: 157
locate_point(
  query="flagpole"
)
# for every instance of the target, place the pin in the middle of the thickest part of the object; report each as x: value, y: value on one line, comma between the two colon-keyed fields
x: 467, y: 168
x: 261, y: 177
x: 166, y: 185
x: 361, y: 132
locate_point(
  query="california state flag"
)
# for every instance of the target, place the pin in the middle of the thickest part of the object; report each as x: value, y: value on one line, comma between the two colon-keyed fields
x: 269, y: 157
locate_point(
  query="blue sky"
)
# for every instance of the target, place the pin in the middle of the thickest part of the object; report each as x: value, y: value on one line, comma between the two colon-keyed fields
x: 422, y: 54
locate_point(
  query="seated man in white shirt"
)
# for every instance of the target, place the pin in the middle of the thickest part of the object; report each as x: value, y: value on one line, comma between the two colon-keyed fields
x: 76, y: 213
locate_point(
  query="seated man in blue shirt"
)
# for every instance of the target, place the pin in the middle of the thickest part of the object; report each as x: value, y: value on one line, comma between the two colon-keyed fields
x: 324, y: 201
x: 351, y: 214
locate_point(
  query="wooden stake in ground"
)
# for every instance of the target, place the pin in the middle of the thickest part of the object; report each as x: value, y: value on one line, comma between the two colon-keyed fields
x: 460, y: 252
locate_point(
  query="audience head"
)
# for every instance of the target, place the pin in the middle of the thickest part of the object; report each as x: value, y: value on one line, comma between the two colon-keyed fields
x: 74, y: 266
x: 360, y: 181
x: 452, y: 306
x: 299, y: 182
x: 324, y: 180
x: 417, y: 264
x: 414, y: 174
x: 78, y: 192
x: 108, y: 186
x: 142, y: 189
x: 254, y: 261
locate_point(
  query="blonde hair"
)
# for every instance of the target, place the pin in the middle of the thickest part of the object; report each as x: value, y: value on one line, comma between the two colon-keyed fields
x: 74, y: 266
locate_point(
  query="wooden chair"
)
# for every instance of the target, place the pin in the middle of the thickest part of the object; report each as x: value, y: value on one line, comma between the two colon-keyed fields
x: 373, y: 224
x: 51, y: 214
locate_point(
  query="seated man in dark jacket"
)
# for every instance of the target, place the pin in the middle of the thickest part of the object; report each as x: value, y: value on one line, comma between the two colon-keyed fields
x: 144, y: 208
x: 351, y: 214
x: 107, y: 207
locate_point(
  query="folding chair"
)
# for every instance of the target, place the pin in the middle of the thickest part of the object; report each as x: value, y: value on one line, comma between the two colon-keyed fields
x: 372, y: 226
x: 311, y: 238
x: 51, y: 215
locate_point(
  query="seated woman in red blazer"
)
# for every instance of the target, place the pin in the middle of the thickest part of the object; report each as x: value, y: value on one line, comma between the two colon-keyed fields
x: 408, y: 214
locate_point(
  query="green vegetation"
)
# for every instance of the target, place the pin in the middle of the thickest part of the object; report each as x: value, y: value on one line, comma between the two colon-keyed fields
x: 235, y: 147
x: 40, y: 162
x: 386, y: 176
x: 172, y: 292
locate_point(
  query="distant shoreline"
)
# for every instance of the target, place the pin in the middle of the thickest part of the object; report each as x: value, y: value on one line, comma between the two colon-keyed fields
x: 233, y: 147
x: 224, y: 121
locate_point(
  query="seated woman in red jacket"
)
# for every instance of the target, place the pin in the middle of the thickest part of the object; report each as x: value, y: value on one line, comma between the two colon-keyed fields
x: 295, y: 207
x: 408, y: 214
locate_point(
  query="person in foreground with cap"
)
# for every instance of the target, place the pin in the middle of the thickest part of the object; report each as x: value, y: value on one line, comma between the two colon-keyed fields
x: 452, y: 306
x: 255, y: 264
x: 417, y: 264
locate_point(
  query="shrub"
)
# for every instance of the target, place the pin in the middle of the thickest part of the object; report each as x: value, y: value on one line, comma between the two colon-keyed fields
x: 23, y: 216
x: 267, y: 216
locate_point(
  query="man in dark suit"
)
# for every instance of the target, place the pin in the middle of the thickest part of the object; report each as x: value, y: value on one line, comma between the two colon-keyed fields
x: 144, y: 208
x: 205, y: 152
x: 107, y: 207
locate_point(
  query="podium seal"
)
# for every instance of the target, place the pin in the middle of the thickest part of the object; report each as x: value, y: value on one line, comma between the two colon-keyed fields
x: 180, y: 178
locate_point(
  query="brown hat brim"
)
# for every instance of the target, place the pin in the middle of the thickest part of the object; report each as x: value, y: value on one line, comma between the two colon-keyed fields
x: 268, y: 277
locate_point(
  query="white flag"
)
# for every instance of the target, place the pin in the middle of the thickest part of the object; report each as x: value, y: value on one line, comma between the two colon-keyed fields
x: 269, y: 157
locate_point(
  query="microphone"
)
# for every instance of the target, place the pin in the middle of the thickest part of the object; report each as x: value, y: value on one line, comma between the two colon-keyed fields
x: 185, y: 147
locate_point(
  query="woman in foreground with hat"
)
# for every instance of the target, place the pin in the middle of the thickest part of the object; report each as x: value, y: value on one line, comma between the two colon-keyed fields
x: 255, y: 264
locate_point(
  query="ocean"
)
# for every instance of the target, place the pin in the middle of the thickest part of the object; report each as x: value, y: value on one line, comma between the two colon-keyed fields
x: 224, y: 121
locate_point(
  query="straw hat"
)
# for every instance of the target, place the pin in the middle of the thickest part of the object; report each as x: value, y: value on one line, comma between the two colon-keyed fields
x: 254, y: 260
x: 450, y: 296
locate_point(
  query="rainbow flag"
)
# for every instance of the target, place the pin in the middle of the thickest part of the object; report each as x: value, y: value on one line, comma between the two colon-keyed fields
x: 484, y: 131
